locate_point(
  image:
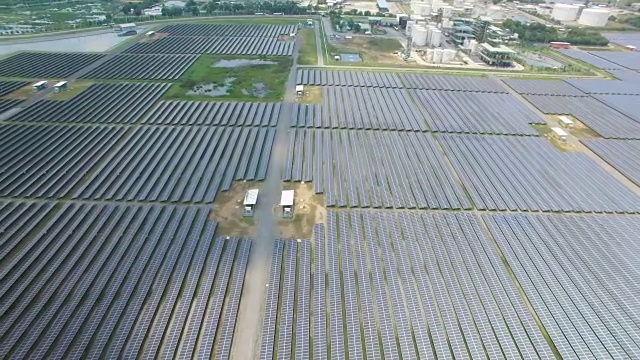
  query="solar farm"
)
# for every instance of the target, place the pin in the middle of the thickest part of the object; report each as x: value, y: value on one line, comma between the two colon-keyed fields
x: 433, y: 216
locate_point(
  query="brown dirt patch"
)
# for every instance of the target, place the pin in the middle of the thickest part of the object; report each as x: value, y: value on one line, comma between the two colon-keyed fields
x: 227, y: 211
x: 309, y: 210
x: 312, y: 95
x: 155, y: 37
x: 284, y: 37
x: 373, y: 50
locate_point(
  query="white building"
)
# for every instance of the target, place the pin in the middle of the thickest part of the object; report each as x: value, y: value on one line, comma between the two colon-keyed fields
x: 154, y: 11
x: 565, y: 122
x: 559, y: 134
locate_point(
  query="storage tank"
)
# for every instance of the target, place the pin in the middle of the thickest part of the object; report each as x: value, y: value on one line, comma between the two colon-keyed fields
x: 420, y: 37
x: 436, y: 38
x: 430, y: 55
x: 410, y: 25
x: 473, y: 46
x: 437, y: 56
x: 448, y: 56
x: 564, y: 12
x: 594, y: 17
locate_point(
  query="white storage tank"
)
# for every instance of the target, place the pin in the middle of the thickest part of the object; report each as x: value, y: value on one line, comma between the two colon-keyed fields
x: 437, y: 56
x: 447, y: 11
x: 420, y: 37
x: 448, y: 56
x: 410, y: 25
x: 473, y: 46
x: 436, y: 38
x: 564, y: 12
x: 430, y: 55
x: 594, y: 17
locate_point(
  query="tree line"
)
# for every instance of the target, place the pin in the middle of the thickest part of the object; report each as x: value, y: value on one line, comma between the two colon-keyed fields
x: 540, y: 33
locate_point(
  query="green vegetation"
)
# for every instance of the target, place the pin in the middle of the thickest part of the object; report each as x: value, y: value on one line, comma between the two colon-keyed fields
x: 539, y: 33
x: 272, y: 76
x: 74, y: 88
x: 308, y: 49
x: 632, y: 21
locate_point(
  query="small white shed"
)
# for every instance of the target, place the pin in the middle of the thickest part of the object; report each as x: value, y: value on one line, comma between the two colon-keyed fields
x: 286, y: 203
x: 40, y: 85
x: 565, y: 122
x: 559, y: 134
x: 299, y: 90
x: 249, y: 203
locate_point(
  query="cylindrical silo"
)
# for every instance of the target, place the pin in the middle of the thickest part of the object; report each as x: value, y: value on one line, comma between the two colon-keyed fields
x: 448, y: 56
x: 410, y: 25
x: 436, y: 38
x: 564, y: 12
x: 437, y: 56
x: 420, y: 37
x: 594, y: 17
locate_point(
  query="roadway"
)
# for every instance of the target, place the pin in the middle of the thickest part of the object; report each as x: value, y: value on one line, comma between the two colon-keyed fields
x: 246, y: 344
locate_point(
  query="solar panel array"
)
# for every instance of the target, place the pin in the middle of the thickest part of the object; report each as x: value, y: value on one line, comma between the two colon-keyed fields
x: 624, y: 155
x: 100, y: 103
x: 580, y: 274
x: 543, y: 87
x: 46, y: 65
x: 625, y: 104
x: 223, y: 39
x: 6, y: 104
x: 602, y: 119
x: 611, y: 87
x: 288, y: 299
x: 591, y: 59
x: 7, y: 87
x: 374, y: 169
x: 476, y: 112
x: 143, y: 67
x: 361, y: 108
x: 452, y: 83
x: 347, y: 78
x: 626, y: 59
x: 416, y: 285
x: 180, y: 164
x: 94, y: 281
x: 528, y: 174
x: 227, y: 30
x: 212, y: 113
x: 625, y: 75
x: 46, y: 162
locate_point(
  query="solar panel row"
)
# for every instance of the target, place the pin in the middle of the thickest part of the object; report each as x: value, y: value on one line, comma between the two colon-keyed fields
x: 381, y: 176
x: 228, y: 30
x: 80, y: 281
x: 361, y: 108
x: 213, y: 113
x: 180, y: 164
x: 528, y: 174
x: 214, y: 45
x: 143, y: 67
x: 427, y: 285
x: 46, y: 65
x: 100, y: 103
x: 576, y: 271
x: 45, y: 162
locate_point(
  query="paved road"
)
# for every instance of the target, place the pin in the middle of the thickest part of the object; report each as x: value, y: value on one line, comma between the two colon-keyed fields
x: 575, y: 142
x: 246, y: 344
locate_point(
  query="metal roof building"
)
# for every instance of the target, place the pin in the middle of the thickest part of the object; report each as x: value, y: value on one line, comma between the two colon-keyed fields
x: 383, y: 5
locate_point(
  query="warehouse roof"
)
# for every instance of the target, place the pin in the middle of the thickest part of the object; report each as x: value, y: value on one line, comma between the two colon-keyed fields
x: 382, y: 4
x: 251, y: 197
x: 287, y: 198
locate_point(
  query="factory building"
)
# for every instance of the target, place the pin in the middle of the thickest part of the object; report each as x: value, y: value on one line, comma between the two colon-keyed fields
x: 500, y: 56
x: 383, y: 6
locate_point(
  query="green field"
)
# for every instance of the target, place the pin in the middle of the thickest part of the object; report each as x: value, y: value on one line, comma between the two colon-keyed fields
x: 308, y: 49
x: 272, y: 76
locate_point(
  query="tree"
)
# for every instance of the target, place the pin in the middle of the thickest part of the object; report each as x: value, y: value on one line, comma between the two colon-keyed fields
x: 356, y: 27
x: 126, y: 9
x: 367, y: 13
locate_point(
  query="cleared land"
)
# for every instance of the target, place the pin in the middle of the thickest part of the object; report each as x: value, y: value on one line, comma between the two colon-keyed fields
x: 308, y: 50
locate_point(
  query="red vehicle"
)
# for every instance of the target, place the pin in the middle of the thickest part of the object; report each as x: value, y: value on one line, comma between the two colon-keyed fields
x: 559, y: 45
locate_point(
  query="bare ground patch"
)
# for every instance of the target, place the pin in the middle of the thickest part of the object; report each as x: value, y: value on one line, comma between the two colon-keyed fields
x: 155, y: 37
x: 309, y: 210
x: 312, y: 95
x: 227, y: 211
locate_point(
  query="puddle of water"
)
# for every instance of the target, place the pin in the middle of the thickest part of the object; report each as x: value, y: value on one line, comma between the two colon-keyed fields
x: 234, y: 63
x: 258, y: 90
x: 212, y: 90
